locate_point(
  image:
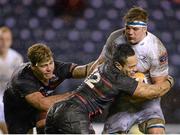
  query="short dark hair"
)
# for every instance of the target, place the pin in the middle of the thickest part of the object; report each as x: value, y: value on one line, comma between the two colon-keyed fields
x: 122, y: 52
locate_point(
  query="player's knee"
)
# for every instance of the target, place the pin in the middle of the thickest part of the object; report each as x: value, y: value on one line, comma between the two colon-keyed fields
x: 156, y: 131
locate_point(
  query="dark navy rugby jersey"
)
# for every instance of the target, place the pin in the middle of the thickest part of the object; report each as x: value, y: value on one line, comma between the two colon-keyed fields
x: 24, y: 82
x: 101, y: 87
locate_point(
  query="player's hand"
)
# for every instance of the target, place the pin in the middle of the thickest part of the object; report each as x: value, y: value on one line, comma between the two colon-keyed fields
x: 41, y: 123
x: 170, y: 80
x: 41, y: 119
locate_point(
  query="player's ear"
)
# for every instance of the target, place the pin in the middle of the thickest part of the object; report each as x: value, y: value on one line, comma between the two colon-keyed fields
x: 145, y: 29
x: 33, y: 67
x: 118, y: 65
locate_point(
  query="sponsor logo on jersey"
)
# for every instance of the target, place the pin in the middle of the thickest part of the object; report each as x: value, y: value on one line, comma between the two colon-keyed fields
x: 163, y: 59
x: 143, y: 58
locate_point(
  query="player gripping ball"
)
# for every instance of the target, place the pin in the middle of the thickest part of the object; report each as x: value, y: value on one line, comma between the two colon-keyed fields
x: 140, y: 77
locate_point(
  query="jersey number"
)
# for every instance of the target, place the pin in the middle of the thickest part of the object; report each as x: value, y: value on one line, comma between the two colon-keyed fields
x: 95, y: 79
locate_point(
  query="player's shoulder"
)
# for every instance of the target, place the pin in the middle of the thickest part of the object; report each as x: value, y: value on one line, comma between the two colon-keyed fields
x: 117, y: 32
x: 117, y: 36
x: 155, y: 47
x: 23, y: 71
x: 13, y: 53
x: 154, y: 40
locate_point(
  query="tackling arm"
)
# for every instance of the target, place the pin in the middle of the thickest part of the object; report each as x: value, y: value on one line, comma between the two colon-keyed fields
x: 159, y: 79
x: 108, y: 49
x: 43, y: 103
x: 150, y: 91
x: 98, y: 62
x: 81, y: 71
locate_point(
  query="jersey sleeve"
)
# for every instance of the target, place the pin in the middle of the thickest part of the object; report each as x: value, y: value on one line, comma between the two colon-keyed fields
x: 125, y: 84
x: 159, y: 66
x: 64, y: 70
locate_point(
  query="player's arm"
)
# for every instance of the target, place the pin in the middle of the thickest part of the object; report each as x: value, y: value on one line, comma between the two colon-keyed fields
x: 98, y: 62
x: 43, y: 103
x: 159, y: 79
x: 150, y: 91
x: 159, y: 69
x: 81, y: 71
x: 107, y: 50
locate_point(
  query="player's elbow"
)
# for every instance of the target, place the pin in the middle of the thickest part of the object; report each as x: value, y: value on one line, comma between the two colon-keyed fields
x: 146, y: 92
x: 44, y: 104
x: 147, y: 95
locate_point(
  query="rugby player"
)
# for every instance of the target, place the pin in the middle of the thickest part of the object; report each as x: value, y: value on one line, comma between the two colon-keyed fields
x: 9, y: 61
x: 30, y: 91
x: 73, y: 116
x: 152, y: 61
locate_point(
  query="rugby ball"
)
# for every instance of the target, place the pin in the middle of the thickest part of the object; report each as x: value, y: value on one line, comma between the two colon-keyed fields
x: 140, y: 77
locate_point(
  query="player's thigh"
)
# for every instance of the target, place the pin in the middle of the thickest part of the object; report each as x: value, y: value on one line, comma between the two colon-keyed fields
x: 154, y: 126
x: 119, y: 123
x: 80, y: 123
x: 67, y: 118
x: 54, y: 118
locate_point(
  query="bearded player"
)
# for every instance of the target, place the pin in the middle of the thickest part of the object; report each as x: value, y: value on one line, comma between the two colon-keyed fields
x: 152, y: 60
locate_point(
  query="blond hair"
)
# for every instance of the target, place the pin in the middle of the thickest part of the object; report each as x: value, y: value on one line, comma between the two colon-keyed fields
x: 39, y: 53
x: 5, y: 29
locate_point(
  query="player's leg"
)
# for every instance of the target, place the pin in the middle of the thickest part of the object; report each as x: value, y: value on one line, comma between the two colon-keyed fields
x: 152, y: 117
x: 119, y: 123
x: 67, y: 118
x: 153, y: 126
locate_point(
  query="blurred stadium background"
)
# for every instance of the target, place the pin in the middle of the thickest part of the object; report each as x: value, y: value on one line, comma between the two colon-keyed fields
x: 76, y: 31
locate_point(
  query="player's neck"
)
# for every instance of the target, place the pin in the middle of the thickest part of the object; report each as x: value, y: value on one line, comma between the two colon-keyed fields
x: 45, y: 82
